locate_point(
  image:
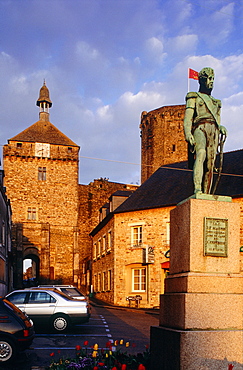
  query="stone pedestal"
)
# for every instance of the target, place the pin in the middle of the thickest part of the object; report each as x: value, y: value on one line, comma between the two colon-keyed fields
x: 201, y: 312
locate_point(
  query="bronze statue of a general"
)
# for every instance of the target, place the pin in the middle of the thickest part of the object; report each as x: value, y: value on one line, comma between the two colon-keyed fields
x: 202, y: 130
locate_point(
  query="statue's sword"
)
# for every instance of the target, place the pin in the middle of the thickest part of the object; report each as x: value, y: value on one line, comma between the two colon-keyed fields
x: 221, y: 156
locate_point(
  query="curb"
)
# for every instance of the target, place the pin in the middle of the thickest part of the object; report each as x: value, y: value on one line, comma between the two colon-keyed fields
x: 124, y: 308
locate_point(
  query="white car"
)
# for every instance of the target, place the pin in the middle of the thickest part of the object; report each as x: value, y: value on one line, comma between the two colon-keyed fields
x: 70, y: 290
x: 50, y: 307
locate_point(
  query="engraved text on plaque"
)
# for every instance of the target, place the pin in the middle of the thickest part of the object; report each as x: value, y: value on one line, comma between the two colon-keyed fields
x: 215, y: 237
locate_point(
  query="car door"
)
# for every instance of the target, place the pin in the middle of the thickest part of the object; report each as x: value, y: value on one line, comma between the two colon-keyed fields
x: 40, y: 306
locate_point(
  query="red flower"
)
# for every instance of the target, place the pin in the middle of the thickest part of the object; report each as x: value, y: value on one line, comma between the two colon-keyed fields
x: 230, y: 367
x: 52, y: 354
x: 95, y: 368
x: 78, y: 347
x: 86, y: 343
x: 114, y: 368
x: 101, y: 364
x: 108, y: 344
x: 59, y: 351
x: 141, y: 367
x: 124, y: 367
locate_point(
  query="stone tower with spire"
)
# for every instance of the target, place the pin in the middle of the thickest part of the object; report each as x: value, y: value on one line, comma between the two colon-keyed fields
x: 41, y: 178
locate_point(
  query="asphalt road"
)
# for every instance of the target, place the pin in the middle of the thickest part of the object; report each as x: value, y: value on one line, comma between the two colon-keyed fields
x: 106, y: 324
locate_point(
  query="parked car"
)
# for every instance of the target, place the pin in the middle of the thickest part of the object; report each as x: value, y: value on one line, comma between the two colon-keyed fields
x: 51, y: 307
x: 70, y: 290
x: 16, y: 331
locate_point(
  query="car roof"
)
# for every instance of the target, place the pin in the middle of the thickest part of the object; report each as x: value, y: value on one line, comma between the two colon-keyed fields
x: 50, y: 289
x: 31, y: 289
x: 57, y: 285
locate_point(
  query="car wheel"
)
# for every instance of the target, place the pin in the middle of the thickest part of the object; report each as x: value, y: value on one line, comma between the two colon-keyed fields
x: 7, y: 350
x: 60, y: 323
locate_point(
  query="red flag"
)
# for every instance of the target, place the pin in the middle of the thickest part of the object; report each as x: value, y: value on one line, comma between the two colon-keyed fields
x: 192, y: 74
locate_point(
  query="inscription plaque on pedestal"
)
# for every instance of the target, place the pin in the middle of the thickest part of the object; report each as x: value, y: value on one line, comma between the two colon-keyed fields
x: 215, y: 237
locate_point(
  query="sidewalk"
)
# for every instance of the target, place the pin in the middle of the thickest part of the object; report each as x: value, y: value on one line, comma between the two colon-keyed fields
x: 98, y: 303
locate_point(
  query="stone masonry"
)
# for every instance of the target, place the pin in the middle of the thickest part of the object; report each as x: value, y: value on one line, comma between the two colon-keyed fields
x: 162, y: 138
x: 43, y: 190
x: 122, y: 257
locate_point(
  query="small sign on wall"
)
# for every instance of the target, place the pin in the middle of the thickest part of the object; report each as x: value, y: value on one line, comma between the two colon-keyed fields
x: 148, y: 254
x: 215, y: 237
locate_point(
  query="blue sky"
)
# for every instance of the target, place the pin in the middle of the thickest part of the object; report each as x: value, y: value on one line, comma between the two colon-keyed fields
x: 106, y: 61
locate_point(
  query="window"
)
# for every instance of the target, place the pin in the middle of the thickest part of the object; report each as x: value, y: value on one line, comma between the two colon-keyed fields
x: 137, y: 236
x: 69, y: 150
x: 99, y: 282
x: 17, y: 298
x: 31, y: 213
x: 109, y: 241
x: 99, y: 248
x: 3, y: 234
x: 19, y: 145
x: 41, y: 297
x: 42, y: 173
x: 103, y: 245
x: 109, y: 280
x: 139, y: 279
x: 103, y: 281
x: 95, y: 283
x: 167, y: 233
x: 94, y: 251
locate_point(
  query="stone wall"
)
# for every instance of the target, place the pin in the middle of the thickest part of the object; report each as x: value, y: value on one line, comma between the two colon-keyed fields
x: 162, y: 138
x: 123, y: 257
x: 44, y: 211
x: 240, y: 201
x: 91, y: 198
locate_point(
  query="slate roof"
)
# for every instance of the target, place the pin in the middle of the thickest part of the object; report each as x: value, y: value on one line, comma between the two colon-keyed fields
x: 122, y: 193
x: 43, y: 132
x: 172, y: 183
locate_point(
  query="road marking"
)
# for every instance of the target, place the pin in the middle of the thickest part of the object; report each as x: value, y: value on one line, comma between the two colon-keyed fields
x: 70, y: 335
x: 90, y: 326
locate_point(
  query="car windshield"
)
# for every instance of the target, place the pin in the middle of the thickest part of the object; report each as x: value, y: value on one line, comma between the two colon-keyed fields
x: 72, y: 292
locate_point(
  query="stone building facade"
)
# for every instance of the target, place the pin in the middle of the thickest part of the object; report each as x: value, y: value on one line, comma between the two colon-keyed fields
x: 52, y: 213
x: 41, y: 178
x: 129, y: 256
x: 6, y: 253
x: 91, y: 199
x: 162, y: 138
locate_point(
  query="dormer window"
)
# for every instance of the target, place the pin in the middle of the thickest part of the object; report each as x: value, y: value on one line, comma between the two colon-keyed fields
x: 69, y: 150
x: 19, y: 145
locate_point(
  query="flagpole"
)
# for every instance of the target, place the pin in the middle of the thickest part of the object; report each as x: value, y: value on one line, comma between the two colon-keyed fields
x: 188, y: 82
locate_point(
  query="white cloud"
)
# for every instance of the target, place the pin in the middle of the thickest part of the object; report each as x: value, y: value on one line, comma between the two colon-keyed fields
x: 183, y: 44
x: 86, y: 52
x: 155, y: 50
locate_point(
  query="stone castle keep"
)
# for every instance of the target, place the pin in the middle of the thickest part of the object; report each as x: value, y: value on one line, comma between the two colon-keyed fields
x: 162, y: 138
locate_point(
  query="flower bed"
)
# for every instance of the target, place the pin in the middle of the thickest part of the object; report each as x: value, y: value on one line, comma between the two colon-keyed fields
x: 112, y: 357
